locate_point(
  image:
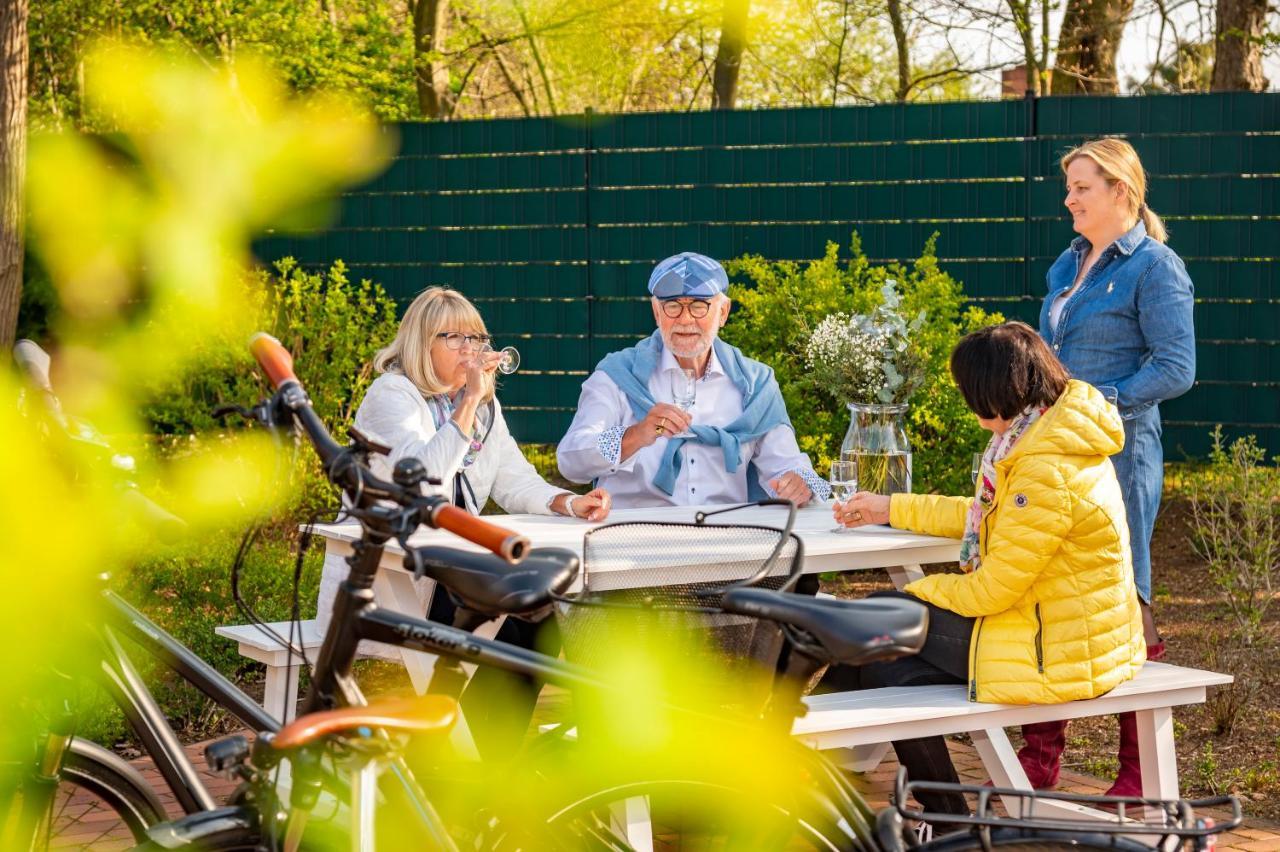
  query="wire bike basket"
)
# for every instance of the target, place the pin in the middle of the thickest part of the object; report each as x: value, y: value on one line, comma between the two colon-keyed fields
x: 663, y: 582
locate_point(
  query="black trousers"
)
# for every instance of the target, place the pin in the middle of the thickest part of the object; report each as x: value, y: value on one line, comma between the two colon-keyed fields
x: 497, y: 704
x: 944, y: 659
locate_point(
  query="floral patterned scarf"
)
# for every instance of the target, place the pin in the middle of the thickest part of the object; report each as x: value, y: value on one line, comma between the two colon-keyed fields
x: 441, y: 411
x: 985, y: 488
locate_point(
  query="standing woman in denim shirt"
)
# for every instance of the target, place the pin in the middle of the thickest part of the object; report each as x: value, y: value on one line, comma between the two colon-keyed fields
x: 1119, y: 316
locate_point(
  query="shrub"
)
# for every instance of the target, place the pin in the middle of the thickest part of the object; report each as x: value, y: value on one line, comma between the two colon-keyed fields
x: 1235, y: 528
x: 331, y: 326
x: 785, y: 299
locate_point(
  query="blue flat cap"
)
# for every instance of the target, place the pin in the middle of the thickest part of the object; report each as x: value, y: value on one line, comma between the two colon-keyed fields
x: 688, y: 275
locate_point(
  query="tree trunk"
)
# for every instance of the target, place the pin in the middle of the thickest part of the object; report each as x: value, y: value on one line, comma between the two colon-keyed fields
x: 1087, y: 47
x: 904, y: 50
x: 733, y: 41
x: 1238, y: 32
x: 1020, y: 11
x: 430, y: 25
x: 13, y: 161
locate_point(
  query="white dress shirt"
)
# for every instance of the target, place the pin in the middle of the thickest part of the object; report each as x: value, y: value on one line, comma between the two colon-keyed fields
x: 592, y: 447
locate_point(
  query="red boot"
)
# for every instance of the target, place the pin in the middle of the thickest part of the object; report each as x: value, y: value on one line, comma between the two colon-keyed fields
x: 1041, y: 757
x: 1129, y: 781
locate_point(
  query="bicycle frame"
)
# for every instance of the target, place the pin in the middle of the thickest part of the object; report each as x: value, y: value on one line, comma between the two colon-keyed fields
x: 144, y: 714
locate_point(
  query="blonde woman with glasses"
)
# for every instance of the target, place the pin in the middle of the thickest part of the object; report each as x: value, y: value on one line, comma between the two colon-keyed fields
x: 434, y: 401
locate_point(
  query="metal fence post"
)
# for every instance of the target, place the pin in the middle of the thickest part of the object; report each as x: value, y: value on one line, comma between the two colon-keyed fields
x: 1028, y: 175
x: 588, y: 117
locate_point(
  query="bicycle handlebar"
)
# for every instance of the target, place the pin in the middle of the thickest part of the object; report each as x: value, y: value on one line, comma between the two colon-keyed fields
x: 274, y: 359
x: 358, y: 481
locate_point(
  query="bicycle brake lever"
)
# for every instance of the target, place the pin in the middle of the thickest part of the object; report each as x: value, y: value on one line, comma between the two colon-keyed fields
x: 366, y: 443
x: 222, y: 411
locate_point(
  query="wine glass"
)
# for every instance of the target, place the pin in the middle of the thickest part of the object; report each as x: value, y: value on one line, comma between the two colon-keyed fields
x: 684, y: 389
x: 975, y: 468
x: 510, y: 360
x: 843, y: 477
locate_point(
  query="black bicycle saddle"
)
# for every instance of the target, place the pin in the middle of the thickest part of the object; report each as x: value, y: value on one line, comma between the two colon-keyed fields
x: 490, y: 585
x: 851, y: 633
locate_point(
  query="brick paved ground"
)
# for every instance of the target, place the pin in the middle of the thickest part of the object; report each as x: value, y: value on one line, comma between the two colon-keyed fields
x: 81, y: 825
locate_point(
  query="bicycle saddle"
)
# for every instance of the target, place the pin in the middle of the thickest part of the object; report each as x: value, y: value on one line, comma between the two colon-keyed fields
x: 490, y: 585
x: 417, y: 715
x: 851, y: 633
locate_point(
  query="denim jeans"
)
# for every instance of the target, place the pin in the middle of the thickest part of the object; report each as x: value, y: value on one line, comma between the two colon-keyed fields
x: 944, y: 659
x: 1140, y: 469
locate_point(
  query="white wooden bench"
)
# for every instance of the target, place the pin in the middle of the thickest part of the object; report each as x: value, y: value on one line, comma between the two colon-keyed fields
x: 281, y: 689
x: 867, y: 720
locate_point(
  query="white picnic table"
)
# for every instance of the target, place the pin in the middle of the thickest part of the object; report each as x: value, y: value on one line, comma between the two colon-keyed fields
x: 900, y: 552
x: 859, y: 722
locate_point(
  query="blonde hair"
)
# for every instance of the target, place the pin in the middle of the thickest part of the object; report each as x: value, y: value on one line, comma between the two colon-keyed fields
x: 1118, y: 163
x: 435, y: 310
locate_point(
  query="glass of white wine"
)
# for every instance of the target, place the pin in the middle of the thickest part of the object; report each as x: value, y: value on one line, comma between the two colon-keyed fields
x: 684, y: 389
x: 510, y: 358
x: 843, y: 477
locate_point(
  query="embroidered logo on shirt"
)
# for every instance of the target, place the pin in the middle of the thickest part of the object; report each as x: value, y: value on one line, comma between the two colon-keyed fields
x: 1111, y: 287
x: 1020, y: 500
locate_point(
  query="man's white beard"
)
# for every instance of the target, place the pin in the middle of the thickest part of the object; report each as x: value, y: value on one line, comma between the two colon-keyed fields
x: 695, y: 351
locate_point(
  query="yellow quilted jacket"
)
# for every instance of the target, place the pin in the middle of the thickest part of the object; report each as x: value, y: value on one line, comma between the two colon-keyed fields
x: 1057, y: 610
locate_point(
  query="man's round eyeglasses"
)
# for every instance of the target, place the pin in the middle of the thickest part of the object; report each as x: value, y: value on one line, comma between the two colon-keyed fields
x: 697, y: 308
x: 455, y: 339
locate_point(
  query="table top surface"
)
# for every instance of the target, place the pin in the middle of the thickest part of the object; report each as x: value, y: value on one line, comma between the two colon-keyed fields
x: 814, y: 526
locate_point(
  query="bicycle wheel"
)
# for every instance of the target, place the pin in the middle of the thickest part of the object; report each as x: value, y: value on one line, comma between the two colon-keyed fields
x: 101, y: 802
x: 1029, y: 840
x: 676, y: 814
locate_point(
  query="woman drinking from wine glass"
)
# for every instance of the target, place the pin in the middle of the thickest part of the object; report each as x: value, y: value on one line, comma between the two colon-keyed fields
x: 434, y: 401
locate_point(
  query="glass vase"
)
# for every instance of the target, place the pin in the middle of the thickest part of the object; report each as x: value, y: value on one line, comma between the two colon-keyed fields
x: 877, y: 442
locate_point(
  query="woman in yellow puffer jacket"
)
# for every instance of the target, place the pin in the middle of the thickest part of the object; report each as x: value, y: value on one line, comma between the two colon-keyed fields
x: 1046, y: 610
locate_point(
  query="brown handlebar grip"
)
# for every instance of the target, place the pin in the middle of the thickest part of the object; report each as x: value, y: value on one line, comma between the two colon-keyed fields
x: 274, y: 359
x: 507, y: 544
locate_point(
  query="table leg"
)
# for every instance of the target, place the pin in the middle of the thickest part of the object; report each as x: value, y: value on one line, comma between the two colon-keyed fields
x: 903, y: 574
x: 1002, y: 764
x: 1158, y: 756
x: 863, y: 758
x: 395, y: 591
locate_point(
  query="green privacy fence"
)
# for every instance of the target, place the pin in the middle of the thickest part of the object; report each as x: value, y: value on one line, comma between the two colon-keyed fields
x: 552, y: 225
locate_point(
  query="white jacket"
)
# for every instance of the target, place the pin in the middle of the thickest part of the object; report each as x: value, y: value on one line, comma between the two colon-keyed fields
x: 393, y: 412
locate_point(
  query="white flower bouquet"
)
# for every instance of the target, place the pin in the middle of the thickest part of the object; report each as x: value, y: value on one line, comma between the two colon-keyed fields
x: 867, y: 358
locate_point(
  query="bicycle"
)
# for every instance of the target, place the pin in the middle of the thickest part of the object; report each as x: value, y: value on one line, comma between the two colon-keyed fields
x: 66, y: 768
x: 824, y: 812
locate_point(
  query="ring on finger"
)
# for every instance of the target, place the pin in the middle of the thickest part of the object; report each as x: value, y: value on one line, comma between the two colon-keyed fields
x: 857, y: 516
x: 659, y: 429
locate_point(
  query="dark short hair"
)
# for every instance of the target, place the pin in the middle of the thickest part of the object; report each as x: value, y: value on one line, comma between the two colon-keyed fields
x: 1004, y: 369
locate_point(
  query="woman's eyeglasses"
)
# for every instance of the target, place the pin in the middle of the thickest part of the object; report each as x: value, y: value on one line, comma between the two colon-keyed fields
x: 455, y: 339
x: 697, y: 308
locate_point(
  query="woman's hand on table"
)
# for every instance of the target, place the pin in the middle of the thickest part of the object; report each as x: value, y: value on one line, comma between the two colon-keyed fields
x: 861, y: 509
x: 592, y: 506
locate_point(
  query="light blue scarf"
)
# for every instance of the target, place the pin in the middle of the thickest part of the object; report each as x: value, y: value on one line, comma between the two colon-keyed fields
x: 762, y: 406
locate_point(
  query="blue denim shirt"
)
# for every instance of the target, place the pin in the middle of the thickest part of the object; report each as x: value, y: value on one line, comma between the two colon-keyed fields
x: 1128, y: 330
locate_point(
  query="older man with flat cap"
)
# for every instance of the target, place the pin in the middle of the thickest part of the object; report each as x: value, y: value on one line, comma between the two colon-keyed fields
x: 734, y: 444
